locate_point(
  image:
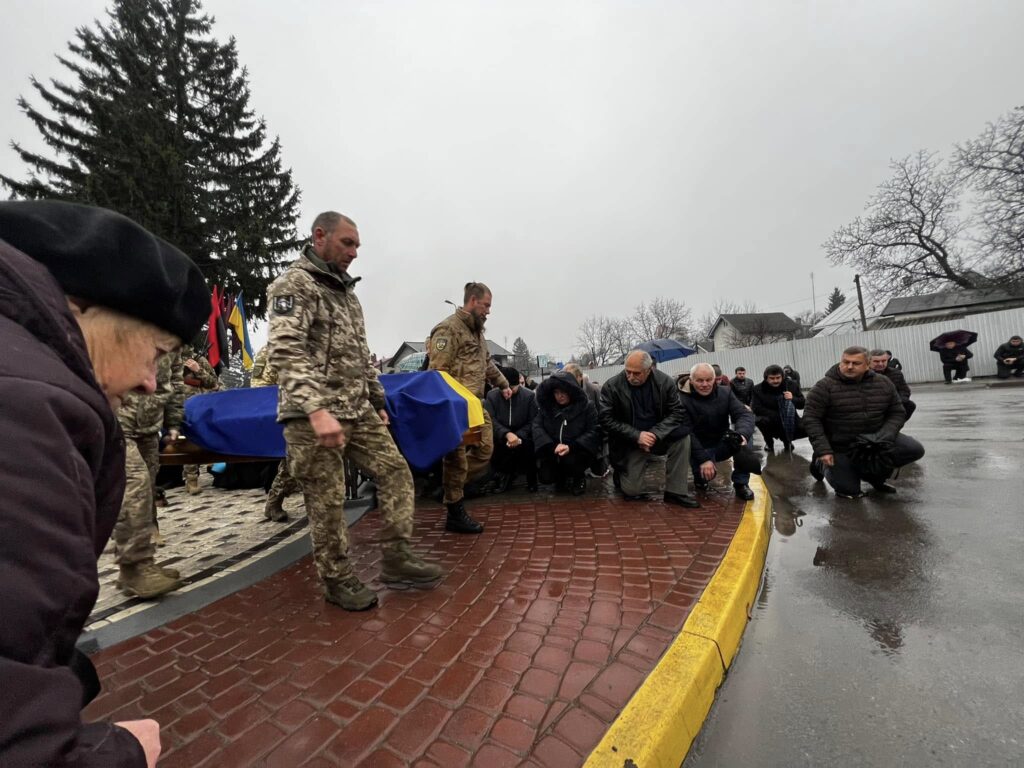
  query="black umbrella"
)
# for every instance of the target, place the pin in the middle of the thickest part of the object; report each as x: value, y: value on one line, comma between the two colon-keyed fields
x: 962, y: 339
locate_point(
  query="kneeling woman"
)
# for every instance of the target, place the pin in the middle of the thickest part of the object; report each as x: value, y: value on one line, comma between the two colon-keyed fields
x: 566, y: 435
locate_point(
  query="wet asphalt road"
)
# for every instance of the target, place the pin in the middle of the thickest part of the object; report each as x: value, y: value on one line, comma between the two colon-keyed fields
x: 890, y: 630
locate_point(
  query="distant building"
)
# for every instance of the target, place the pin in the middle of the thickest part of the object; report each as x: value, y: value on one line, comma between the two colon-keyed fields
x: 947, y: 305
x: 846, y: 317
x: 751, y: 330
x: 411, y: 354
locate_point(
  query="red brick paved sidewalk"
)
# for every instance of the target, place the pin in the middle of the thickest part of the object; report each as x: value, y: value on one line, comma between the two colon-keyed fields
x: 545, y: 627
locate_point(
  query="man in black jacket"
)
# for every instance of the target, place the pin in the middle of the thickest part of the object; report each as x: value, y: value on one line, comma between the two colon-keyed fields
x: 513, y: 435
x: 767, y: 406
x: 880, y: 364
x: 641, y: 416
x: 90, y: 301
x: 851, y: 401
x: 710, y: 407
x: 1010, y: 358
x: 954, y: 359
x: 742, y: 387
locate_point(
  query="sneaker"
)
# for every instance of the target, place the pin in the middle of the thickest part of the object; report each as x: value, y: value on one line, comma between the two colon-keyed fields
x: 349, y: 592
x: 459, y: 520
x: 146, y: 580
x: 401, y: 567
x: 966, y: 379
x: 682, y: 499
x: 743, y: 492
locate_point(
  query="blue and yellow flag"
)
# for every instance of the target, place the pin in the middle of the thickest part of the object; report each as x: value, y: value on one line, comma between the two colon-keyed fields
x: 237, y: 321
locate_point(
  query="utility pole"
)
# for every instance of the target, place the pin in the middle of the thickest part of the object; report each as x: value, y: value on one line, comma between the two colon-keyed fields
x: 860, y: 303
x: 814, y: 300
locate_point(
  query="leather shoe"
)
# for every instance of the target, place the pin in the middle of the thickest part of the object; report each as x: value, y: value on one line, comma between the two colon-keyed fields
x: 744, y: 492
x: 682, y: 499
x: 578, y: 486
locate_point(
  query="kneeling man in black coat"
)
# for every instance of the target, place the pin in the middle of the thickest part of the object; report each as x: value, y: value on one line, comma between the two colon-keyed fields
x: 850, y: 404
x: 710, y: 408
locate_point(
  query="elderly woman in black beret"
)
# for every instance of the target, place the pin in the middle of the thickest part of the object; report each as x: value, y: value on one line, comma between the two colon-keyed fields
x: 89, y: 302
x: 566, y: 434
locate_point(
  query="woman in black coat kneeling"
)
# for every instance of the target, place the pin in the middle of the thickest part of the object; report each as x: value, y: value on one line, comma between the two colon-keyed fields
x: 566, y: 435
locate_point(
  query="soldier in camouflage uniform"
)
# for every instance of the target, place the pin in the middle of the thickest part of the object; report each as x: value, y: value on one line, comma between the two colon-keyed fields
x: 135, y: 534
x: 332, y: 407
x: 284, y: 485
x: 199, y: 378
x: 457, y: 346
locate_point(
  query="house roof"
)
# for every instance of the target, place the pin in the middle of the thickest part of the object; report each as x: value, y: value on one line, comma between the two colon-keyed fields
x: 937, y: 302
x: 759, y: 322
x: 495, y: 350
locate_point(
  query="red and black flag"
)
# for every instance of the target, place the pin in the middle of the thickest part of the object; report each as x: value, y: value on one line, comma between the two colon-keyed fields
x: 216, y: 332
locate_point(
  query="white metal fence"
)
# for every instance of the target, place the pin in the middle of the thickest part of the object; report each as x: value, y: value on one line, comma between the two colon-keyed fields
x: 812, y: 357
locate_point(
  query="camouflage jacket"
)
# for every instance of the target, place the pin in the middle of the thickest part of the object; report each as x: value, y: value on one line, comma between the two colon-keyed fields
x: 458, y: 348
x: 263, y: 375
x: 318, y: 343
x: 141, y: 415
x: 206, y: 380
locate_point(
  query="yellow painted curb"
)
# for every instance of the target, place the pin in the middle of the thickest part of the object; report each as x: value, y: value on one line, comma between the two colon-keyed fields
x: 660, y: 722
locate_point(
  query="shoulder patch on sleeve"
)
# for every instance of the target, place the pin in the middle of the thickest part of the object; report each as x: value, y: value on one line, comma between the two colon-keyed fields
x: 283, y: 305
x: 440, y: 344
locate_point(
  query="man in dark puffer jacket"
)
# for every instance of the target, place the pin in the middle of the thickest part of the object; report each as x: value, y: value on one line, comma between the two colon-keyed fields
x: 852, y: 400
x: 565, y: 432
x: 710, y: 407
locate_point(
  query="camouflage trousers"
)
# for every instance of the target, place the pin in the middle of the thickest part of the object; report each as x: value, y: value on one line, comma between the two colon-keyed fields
x: 284, y: 484
x: 467, y: 463
x: 320, y: 472
x: 149, y: 447
x: 133, y: 532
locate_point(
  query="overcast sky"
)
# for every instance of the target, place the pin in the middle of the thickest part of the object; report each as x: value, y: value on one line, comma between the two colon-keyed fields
x: 581, y: 157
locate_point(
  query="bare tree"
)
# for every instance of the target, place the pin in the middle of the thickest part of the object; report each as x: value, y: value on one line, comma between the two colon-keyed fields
x: 706, y: 322
x: 994, y: 164
x: 594, y: 340
x: 622, y: 338
x: 661, y: 318
x: 911, y: 237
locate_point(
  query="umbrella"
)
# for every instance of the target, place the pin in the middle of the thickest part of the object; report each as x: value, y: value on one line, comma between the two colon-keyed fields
x: 962, y: 339
x: 666, y: 349
x: 787, y: 414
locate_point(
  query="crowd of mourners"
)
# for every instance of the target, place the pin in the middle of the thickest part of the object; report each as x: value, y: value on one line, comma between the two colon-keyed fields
x: 99, y: 371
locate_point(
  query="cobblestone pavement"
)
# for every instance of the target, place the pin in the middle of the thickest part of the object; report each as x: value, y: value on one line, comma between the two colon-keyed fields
x: 204, y: 534
x: 545, y: 626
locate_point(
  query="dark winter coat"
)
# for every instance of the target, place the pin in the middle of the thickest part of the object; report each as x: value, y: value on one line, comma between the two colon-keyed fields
x: 574, y: 425
x: 710, y: 416
x: 899, y: 381
x: 513, y: 415
x: 948, y: 356
x: 1008, y: 350
x: 743, y: 390
x: 838, y: 409
x: 789, y: 373
x: 765, y: 399
x: 62, y: 475
x: 617, y: 414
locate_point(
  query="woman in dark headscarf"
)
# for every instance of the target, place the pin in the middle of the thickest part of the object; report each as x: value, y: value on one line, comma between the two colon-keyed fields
x: 566, y: 435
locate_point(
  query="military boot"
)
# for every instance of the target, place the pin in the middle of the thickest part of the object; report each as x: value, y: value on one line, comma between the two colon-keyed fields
x: 192, y: 486
x: 275, y: 510
x: 459, y: 520
x: 349, y: 592
x: 146, y: 580
x: 170, y: 573
x: 401, y: 567
x: 158, y: 538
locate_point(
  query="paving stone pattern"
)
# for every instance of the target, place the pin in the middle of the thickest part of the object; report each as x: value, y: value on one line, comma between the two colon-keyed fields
x: 544, y: 628
x: 203, y: 532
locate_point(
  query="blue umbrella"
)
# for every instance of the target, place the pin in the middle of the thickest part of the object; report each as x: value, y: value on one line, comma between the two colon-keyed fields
x: 663, y: 350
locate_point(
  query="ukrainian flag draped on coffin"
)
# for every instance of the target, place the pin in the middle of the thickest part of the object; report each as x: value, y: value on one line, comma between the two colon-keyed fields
x: 429, y: 413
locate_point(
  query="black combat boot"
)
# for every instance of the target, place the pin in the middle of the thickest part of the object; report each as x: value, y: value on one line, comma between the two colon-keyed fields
x: 459, y: 520
x: 743, y: 491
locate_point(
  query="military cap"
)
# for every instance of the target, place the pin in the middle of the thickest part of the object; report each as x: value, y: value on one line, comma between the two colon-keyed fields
x: 105, y: 258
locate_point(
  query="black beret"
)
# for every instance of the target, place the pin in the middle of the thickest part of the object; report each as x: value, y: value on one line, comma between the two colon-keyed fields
x: 105, y: 258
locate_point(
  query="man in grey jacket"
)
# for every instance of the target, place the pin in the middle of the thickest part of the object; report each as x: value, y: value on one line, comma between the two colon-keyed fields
x: 642, y: 417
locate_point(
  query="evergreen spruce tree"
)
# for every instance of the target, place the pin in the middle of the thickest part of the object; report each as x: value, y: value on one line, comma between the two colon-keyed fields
x: 522, y: 360
x: 835, y: 301
x: 155, y: 123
